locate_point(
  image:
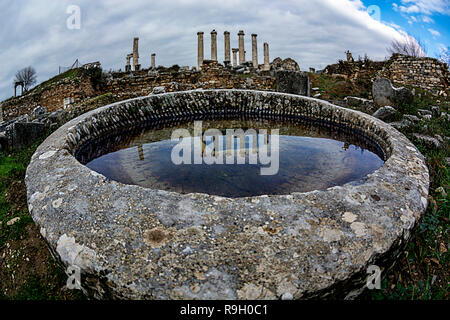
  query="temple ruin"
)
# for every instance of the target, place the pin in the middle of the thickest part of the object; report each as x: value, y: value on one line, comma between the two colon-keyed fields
x: 235, y: 51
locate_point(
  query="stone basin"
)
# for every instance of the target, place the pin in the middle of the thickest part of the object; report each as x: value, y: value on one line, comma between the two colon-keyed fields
x: 131, y: 242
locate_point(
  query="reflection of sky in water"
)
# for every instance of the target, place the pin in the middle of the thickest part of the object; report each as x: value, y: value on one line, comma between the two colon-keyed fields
x: 305, y: 164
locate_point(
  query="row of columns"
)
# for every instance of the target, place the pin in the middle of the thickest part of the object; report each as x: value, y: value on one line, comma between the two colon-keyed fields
x: 135, y: 57
x: 240, y: 49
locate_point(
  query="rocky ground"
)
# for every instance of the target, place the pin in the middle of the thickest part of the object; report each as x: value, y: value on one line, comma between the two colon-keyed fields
x: 28, y: 271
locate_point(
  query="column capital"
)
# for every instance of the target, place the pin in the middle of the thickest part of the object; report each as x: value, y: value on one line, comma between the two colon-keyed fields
x: 241, y: 33
x: 214, y: 32
x: 200, y: 33
x: 226, y: 32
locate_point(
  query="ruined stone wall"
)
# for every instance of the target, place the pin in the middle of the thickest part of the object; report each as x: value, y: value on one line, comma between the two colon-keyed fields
x: 425, y: 73
x: 127, y: 85
x: 357, y: 70
x: 51, y: 97
x: 213, y: 76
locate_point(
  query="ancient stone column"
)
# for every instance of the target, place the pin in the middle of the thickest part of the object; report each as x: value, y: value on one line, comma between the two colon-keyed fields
x: 235, y: 51
x: 128, y: 65
x: 136, y: 65
x: 254, y: 51
x: 214, y: 45
x: 200, y: 54
x: 153, y: 65
x: 266, y: 57
x: 227, y: 47
x: 241, y: 47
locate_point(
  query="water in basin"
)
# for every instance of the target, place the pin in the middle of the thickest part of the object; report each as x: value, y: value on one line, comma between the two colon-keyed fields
x: 310, y: 157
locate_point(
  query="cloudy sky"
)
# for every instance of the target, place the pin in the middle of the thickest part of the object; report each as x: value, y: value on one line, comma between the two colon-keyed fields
x: 315, y: 33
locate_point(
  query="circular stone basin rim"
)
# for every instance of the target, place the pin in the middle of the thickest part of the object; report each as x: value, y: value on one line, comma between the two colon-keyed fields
x: 137, y: 243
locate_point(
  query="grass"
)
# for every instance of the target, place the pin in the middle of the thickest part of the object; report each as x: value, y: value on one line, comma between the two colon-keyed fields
x: 332, y: 88
x: 27, y: 270
x: 69, y: 74
x: 12, y: 168
x: 422, y: 271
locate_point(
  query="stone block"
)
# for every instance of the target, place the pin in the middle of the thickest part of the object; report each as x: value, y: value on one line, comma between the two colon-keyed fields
x: 360, y: 104
x: 38, y: 111
x: 385, y: 94
x: 294, y: 82
x: 385, y: 113
x: 21, y: 134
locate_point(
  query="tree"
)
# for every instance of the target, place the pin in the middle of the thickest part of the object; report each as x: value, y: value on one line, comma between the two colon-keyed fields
x: 408, y: 46
x: 27, y: 76
x: 444, y: 55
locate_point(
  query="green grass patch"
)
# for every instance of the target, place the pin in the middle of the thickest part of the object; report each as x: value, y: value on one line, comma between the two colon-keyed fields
x: 13, y: 168
x: 47, y: 287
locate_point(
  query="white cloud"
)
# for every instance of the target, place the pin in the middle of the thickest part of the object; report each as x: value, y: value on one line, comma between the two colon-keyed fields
x: 426, y: 6
x: 410, y: 9
x: 434, y: 32
x: 427, y: 19
x: 314, y: 33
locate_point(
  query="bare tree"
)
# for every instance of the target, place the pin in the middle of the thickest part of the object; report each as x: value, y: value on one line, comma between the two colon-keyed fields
x: 27, y: 76
x: 409, y: 46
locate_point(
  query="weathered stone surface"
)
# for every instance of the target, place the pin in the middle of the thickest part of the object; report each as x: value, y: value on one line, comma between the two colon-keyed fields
x: 136, y: 243
x: 159, y: 90
x: 38, y: 111
x: 384, y: 94
x: 428, y: 141
x: 436, y: 111
x: 411, y: 118
x: 424, y: 112
x: 361, y: 104
x: 294, y: 82
x: 400, y: 124
x: 23, y: 134
x: 287, y: 64
x: 386, y: 113
x: 3, y: 141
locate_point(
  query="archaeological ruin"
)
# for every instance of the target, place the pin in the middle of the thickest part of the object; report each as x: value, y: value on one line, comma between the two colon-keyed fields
x: 135, y: 242
x: 214, y: 247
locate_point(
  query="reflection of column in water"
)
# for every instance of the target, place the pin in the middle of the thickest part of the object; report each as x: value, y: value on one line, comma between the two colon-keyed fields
x: 254, y: 141
x: 141, y: 152
x: 203, y: 148
x: 242, y: 145
x: 229, y: 140
x: 216, y: 145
